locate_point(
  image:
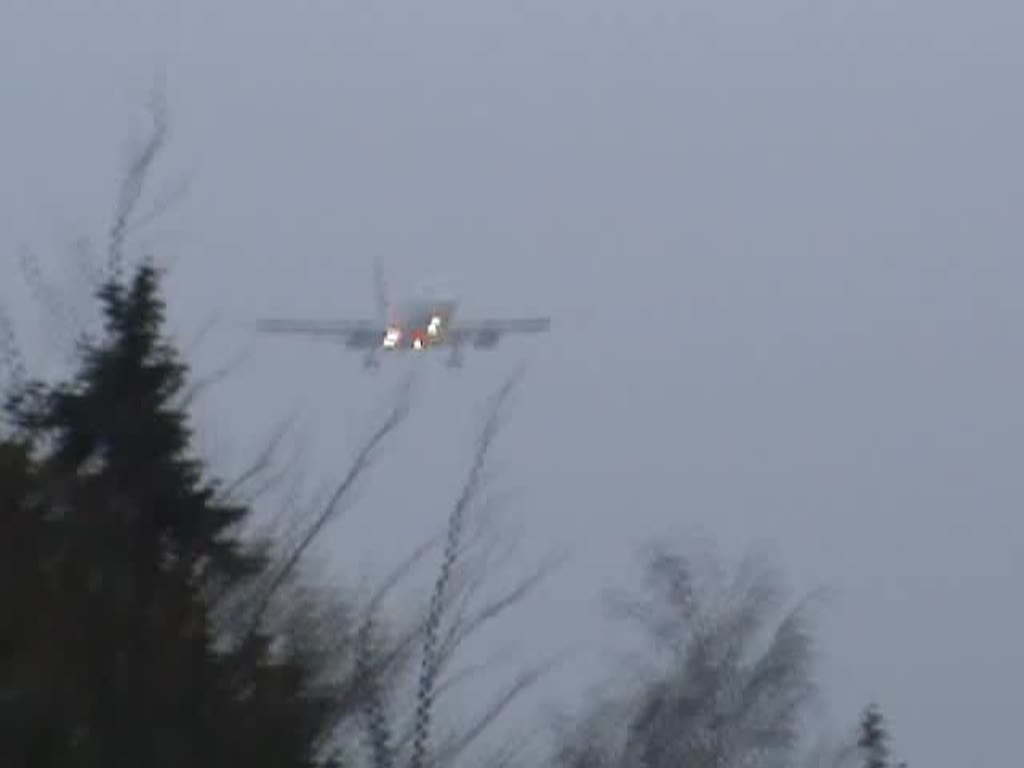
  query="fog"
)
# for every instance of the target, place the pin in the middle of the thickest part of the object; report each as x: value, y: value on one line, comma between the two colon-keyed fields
x: 780, y: 244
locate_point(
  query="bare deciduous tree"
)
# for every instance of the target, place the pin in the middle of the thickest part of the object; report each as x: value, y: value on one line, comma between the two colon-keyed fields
x: 727, y: 682
x: 359, y: 659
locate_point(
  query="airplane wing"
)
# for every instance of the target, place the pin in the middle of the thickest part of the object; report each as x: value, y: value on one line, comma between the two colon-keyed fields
x: 486, y: 333
x: 354, y: 333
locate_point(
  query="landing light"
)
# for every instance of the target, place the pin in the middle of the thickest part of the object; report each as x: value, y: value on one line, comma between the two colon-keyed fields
x: 434, y: 327
x: 392, y: 337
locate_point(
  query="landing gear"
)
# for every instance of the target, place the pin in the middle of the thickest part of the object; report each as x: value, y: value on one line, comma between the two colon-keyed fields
x: 455, y: 358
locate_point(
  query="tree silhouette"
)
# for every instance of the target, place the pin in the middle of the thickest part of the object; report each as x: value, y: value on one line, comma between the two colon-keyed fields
x: 873, y: 738
x: 136, y: 628
x: 113, y: 543
x: 731, y: 689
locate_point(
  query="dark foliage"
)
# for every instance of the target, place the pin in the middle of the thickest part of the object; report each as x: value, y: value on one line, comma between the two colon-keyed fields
x: 873, y: 739
x: 135, y: 629
x: 111, y: 542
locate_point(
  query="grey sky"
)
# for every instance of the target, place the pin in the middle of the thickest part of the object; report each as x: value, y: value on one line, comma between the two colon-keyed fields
x: 780, y: 242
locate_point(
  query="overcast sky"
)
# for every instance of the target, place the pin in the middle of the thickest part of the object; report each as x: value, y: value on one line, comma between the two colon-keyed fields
x: 780, y: 243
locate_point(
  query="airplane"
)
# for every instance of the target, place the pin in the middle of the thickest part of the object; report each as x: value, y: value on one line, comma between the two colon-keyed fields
x: 415, y: 325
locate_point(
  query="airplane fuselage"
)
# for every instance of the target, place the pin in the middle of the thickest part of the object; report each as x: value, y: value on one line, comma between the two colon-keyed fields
x: 419, y: 325
x: 415, y: 325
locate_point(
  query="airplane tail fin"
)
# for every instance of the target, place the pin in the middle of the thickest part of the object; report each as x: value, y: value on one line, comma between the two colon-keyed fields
x: 381, y: 293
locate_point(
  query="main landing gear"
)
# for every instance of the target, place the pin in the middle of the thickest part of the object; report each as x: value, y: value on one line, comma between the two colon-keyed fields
x: 371, y: 361
x: 455, y: 358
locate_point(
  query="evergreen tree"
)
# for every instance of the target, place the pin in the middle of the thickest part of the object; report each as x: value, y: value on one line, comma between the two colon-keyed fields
x: 111, y: 544
x: 135, y: 630
x: 873, y: 738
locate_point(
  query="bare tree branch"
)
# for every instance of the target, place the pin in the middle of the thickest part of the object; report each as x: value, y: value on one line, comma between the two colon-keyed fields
x: 133, y: 184
x: 378, y: 724
x: 85, y: 264
x: 449, y: 752
x: 10, y: 355
x: 456, y: 521
x: 204, y: 331
x: 726, y: 697
x: 67, y: 323
x: 191, y: 393
x: 263, y: 461
x: 462, y: 629
x: 359, y: 466
x: 170, y: 196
